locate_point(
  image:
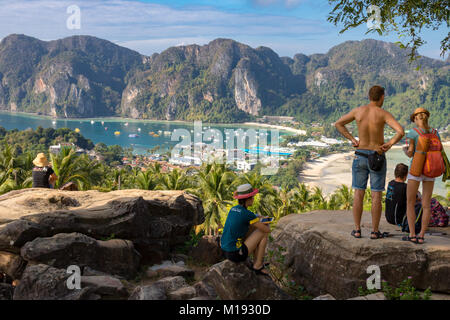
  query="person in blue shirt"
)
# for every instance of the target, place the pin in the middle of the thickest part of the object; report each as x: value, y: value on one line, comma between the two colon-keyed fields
x: 235, y: 243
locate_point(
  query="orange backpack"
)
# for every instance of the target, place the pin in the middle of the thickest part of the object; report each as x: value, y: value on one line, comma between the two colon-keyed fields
x: 434, y: 163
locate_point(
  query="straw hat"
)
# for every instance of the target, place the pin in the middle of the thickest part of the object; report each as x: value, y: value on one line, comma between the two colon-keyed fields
x: 41, y: 160
x: 245, y: 191
x: 417, y: 111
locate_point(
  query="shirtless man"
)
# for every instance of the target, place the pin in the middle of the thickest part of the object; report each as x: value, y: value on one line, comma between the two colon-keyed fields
x: 370, y: 120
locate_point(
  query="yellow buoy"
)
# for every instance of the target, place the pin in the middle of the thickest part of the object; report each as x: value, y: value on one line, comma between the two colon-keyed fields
x: 117, y: 133
x: 77, y: 130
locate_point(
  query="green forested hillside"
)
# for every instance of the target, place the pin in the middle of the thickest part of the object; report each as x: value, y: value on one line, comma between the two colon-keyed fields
x: 223, y: 81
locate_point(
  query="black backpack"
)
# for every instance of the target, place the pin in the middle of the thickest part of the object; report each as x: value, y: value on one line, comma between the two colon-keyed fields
x: 418, y: 223
x: 395, y: 204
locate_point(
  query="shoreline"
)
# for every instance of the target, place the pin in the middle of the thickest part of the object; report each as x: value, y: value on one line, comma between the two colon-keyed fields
x: 298, y: 131
x: 313, y: 173
x: 124, y: 119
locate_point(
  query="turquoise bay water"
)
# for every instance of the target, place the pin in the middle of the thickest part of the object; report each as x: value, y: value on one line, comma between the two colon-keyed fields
x: 105, y: 133
x: 97, y: 133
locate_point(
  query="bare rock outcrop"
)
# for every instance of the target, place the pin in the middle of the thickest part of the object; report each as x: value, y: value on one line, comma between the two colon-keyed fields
x: 323, y: 256
x: 109, y: 236
x: 235, y: 281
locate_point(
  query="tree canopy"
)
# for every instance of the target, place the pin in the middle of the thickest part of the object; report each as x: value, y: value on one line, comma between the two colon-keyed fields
x: 407, y: 18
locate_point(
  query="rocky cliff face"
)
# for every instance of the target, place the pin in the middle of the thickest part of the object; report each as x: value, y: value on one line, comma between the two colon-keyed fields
x: 79, y: 76
x: 222, y: 81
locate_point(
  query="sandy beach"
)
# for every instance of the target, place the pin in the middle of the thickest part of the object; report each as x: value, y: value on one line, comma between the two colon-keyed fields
x: 297, y: 131
x: 329, y: 172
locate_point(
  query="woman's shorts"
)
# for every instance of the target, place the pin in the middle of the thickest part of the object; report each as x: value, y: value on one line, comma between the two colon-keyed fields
x: 237, y: 256
x: 421, y: 178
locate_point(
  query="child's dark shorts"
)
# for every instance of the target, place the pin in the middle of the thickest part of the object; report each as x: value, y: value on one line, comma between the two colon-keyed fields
x: 238, y: 255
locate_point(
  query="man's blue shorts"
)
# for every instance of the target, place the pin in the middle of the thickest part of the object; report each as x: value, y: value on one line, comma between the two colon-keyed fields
x: 361, y: 173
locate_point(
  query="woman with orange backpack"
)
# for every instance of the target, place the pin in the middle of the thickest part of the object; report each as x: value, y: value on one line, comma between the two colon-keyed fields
x: 427, y: 163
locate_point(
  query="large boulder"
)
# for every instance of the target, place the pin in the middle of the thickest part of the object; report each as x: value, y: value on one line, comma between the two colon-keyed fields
x: 105, y: 286
x: 235, y: 281
x: 62, y: 250
x: 108, y: 233
x: 323, y: 256
x: 156, y: 221
x: 42, y: 282
x: 207, y: 250
x: 11, y: 264
x: 15, y: 234
x: 150, y: 292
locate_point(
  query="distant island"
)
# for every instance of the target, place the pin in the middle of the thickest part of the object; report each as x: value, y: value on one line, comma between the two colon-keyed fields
x: 222, y: 82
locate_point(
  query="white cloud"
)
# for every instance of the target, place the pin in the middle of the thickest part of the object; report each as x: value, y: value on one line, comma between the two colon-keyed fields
x: 139, y: 25
x: 285, y: 3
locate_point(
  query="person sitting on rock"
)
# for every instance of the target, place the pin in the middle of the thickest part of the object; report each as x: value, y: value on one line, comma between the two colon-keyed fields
x: 234, y: 243
x: 43, y: 174
x: 396, y: 196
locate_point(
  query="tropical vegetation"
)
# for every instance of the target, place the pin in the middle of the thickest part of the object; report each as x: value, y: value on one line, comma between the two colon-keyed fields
x: 213, y: 183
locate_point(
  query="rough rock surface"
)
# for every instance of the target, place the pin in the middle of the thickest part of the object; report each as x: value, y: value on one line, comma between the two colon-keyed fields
x: 150, y: 292
x: 105, y: 286
x: 11, y: 264
x: 42, y: 282
x: 207, y: 250
x: 62, y: 250
x: 235, y: 281
x: 323, y: 256
x: 155, y: 221
x: 184, y: 293
x: 105, y: 234
x: 169, y: 269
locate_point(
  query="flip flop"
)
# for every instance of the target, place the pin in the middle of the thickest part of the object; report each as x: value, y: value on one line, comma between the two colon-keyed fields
x: 354, y: 232
x: 259, y: 271
x: 410, y: 239
x: 420, y: 238
x: 378, y: 235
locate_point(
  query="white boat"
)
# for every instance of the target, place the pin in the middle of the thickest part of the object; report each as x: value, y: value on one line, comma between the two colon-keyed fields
x: 92, y: 121
x: 103, y: 122
x: 126, y: 124
x: 139, y: 129
x: 54, y: 122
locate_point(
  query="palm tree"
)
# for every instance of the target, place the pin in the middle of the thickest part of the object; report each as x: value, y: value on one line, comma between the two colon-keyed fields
x: 345, y: 197
x: 175, y: 180
x: 302, y: 197
x: 146, y: 180
x: 68, y: 168
x: 333, y: 202
x: 15, y: 172
x: 319, y: 202
x: 285, y: 205
x: 215, y: 187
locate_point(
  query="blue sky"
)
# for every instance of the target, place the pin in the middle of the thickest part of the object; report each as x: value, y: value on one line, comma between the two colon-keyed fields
x: 149, y: 26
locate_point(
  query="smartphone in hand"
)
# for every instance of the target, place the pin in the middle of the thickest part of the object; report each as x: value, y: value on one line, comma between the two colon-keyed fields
x: 266, y: 220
